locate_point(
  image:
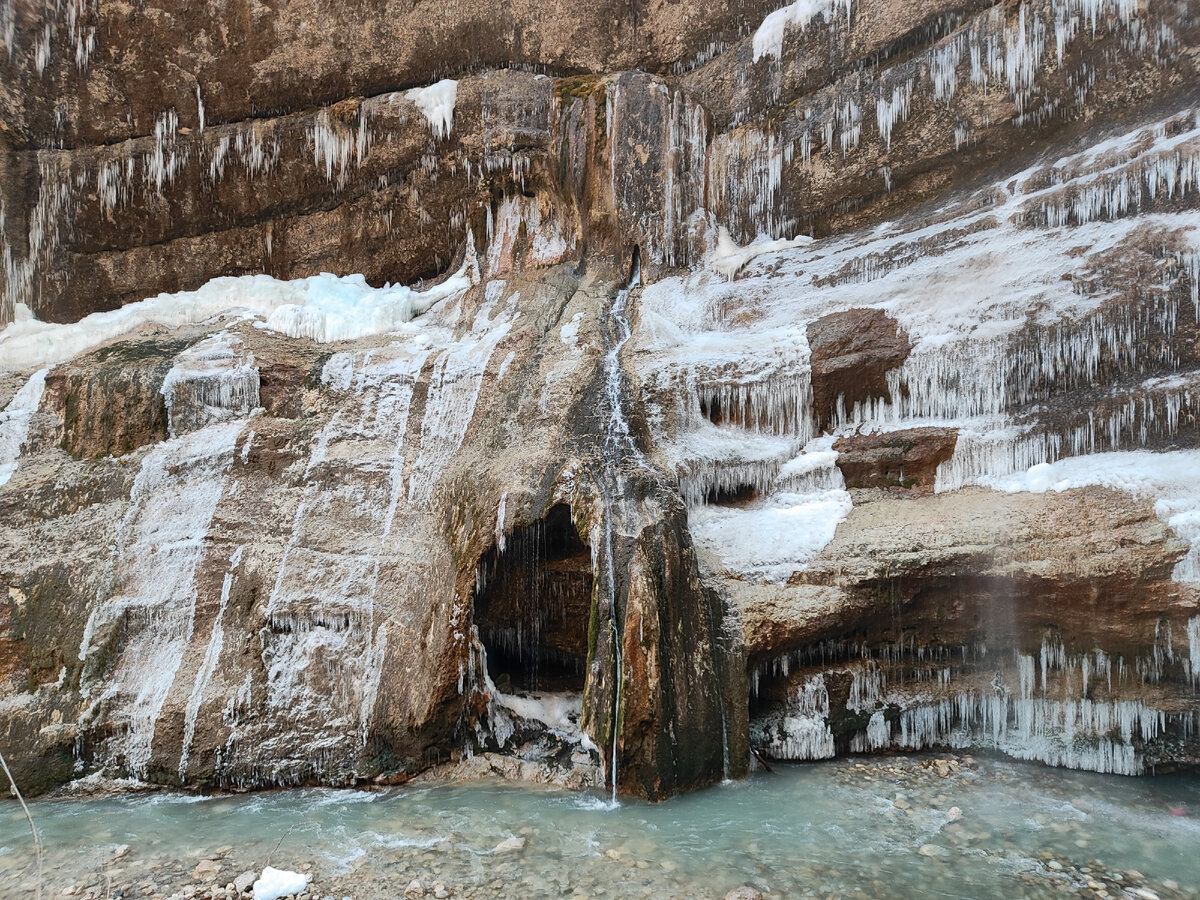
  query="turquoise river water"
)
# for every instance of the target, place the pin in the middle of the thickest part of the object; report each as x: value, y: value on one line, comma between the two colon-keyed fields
x: 918, y: 826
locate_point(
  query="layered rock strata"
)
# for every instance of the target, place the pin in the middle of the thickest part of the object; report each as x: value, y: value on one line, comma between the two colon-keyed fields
x: 821, y: 378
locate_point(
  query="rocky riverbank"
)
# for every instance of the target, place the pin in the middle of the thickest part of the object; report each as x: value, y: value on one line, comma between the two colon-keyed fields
x: 918, y: 817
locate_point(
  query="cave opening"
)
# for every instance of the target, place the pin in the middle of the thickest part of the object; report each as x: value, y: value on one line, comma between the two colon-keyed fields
x: 533, y: 602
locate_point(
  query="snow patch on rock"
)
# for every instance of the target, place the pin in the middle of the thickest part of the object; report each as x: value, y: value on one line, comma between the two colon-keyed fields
x: 772, y: 538
x: 275, y: 883
x: 436, y: 103
x: 1171, y: 479
x: 768, y: 39
x: 323, y: 308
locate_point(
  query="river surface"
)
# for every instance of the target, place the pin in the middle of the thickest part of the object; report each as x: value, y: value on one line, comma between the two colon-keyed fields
x: 872, y: 827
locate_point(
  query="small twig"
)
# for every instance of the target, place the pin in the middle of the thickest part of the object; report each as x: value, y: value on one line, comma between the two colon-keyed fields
x: 285, y: 834
x: 37, y: 838
x: 766, y: 765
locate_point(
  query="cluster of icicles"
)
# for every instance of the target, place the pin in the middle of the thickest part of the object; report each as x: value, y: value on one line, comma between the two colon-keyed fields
x: 1050, y: 714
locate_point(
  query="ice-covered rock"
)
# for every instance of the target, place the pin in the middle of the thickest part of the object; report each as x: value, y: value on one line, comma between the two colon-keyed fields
x: 378, y: 423
x: 274, y: 883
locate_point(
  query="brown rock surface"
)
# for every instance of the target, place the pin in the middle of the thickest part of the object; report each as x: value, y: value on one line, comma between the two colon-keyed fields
x: 852, y: 352
x: 1091, y: 559
x: 894, y: 459
x: 110, y: 403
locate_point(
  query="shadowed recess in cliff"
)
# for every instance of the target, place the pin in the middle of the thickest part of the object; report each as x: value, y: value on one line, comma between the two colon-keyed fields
x: 532, y: 603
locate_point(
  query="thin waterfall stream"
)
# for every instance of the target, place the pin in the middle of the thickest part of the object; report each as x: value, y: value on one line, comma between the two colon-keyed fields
x: 618, y: 446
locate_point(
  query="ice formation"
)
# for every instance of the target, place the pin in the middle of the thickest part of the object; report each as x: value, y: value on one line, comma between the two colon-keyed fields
x: 323, y: 307
x: 14, y: 422
x: 150, y: 590
x: 559, y: 713
x: 274, y: 884
x: 1040, y: 708
x: 990, y: 340
x: 458, y: 375
x: 1193, y: 636
x: 514, y: 216
x: 728, y: 259
x: 768, y: 39
x: 213, y: 381
x: 212, y: 655
x: 436, y: 103
x: 322, y: 604
x: 723, y: 356
x: 335, y: 146
x: 803, y: 731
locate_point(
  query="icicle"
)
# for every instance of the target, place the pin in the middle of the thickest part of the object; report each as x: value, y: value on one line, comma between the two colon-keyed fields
x: 802, y: 730
x: 214, y: 381
x: 1193, y: 661
x: 889, y: 111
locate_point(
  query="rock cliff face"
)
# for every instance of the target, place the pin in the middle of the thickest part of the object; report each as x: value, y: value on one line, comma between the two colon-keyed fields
x: 819, y: 377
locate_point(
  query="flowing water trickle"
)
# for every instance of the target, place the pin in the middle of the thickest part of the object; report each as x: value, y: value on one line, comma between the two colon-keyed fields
x: 618, y: 447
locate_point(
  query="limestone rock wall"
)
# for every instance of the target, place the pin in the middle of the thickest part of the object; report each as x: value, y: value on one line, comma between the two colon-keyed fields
x: 126, y: 173
x: 860, y: 348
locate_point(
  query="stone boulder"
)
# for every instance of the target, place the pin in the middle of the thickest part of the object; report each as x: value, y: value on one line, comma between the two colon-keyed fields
x: 895, y: 459
x: 852, y: 352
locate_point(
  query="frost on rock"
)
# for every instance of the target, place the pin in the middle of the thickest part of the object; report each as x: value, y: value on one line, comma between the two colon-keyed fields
x: 212, y: 655
x: 322, y: 606
x: 14, y: 423
x: 374, y: 468
x: 519, y: 215
x: 436, y: 103
x: 149, y: 591
x: 458, y: 374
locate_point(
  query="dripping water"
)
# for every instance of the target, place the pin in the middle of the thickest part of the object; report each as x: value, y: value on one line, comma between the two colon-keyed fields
x: 618, y: 444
